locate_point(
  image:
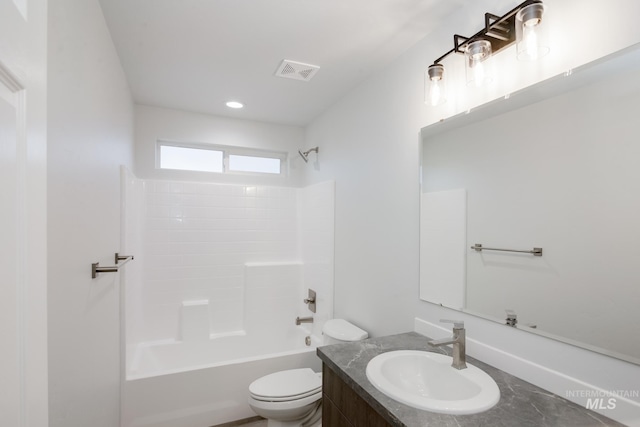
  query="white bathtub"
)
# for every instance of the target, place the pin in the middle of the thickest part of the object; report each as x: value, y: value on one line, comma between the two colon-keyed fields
x: 202, y: 384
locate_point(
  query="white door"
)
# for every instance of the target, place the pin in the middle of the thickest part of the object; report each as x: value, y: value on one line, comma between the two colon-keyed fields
x: 23, y: 316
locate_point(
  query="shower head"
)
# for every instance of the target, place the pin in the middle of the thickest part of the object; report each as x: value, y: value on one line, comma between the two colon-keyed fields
x: 305, y: 154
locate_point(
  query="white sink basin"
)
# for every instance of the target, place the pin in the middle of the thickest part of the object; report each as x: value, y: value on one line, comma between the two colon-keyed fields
x: 426, y: 380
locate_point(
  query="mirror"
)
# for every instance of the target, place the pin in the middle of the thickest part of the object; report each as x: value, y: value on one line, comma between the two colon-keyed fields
x: 556, y: 167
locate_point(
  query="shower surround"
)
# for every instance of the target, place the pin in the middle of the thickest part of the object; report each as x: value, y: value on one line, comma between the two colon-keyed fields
x: 219, y: 277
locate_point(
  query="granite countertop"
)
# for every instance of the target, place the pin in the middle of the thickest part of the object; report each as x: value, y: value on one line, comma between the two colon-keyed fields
x: 521, y: 404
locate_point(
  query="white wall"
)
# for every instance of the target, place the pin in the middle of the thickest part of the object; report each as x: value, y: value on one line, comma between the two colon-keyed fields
x: 90, y: 133
x: 316, y: 233
x: 369, y: 144
x: 154, y: 123
x: 132, y: 205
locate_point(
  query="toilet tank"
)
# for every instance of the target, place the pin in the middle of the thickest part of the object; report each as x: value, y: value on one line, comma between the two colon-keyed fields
x: 337, y: 331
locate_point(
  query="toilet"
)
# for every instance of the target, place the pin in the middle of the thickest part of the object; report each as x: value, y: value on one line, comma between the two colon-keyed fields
x: 292, y: 398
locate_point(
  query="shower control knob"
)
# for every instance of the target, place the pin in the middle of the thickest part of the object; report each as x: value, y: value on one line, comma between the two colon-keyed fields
x: 311, y: 300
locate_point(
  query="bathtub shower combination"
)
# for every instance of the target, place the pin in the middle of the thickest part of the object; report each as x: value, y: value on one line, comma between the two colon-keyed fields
x: 197, y: 384
x: 212, y: 301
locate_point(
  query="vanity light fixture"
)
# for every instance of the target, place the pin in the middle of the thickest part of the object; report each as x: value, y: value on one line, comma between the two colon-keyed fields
x: 520, y: 25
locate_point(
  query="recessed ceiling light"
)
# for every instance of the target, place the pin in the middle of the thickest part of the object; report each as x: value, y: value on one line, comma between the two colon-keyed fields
x: 234, y: 104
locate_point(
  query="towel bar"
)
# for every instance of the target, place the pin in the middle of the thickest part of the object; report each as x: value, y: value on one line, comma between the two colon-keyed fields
x: 479, y: 248
x: 95, y: 267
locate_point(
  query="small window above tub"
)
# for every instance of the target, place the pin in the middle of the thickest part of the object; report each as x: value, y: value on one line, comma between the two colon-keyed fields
x: 260, y: 164
x: 219, y: 158
x: 190, y: 158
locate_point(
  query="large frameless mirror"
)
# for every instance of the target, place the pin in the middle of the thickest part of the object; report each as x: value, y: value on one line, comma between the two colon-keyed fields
x: 530, y: 209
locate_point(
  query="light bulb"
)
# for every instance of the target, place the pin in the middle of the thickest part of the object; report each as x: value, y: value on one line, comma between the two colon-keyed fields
x: 530, y: 44
x: 530, y: 40
x: 435, y: 89
x: 435, y: 92
x: 479, y: 74
x: 477, y: 56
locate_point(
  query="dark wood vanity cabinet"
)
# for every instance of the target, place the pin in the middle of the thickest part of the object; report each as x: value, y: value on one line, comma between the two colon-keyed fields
x: 342, y: 407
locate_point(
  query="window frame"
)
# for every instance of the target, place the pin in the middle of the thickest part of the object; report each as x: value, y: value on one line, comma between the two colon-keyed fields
x: 226, y: 150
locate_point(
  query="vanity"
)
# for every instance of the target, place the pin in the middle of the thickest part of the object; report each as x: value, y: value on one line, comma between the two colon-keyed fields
x: 349, y: 398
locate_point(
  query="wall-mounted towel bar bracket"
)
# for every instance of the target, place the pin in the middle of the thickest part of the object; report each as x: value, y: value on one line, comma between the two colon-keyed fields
x: 479, y: 248
x: 95, y: 267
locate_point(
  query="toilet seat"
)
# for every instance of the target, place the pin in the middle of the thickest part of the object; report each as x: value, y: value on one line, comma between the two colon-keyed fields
x: 286, y: 398
x: 286, y: 386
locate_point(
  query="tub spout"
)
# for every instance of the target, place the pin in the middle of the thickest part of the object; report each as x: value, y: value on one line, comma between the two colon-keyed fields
x: 300, y: 320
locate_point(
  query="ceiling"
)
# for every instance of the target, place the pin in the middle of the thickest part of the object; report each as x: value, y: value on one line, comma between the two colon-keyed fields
x: 195, y: 55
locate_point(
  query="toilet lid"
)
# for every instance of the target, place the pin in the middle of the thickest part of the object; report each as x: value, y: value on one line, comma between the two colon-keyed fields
x: 342, y: 330
x: 286, y: 384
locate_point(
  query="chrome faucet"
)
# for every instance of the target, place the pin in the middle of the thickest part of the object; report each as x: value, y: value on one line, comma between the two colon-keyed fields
x: 300, y: 320
x: 458, y: 341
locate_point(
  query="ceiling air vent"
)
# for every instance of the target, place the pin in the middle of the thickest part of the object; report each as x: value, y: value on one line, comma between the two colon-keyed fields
x: 296, y: 70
